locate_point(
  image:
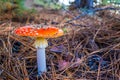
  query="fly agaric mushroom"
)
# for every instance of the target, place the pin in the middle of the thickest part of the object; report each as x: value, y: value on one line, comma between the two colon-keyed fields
x: 40, y: 43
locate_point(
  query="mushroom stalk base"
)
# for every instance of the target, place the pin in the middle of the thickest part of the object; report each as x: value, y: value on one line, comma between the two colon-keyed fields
x: 41, y: 60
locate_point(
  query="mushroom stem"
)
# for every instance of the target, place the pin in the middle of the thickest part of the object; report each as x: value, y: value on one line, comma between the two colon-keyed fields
x: 41, y: 60
x: 41, y: 44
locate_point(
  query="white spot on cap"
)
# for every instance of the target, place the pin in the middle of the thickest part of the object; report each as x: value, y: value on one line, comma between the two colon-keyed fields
x: 36, y: 33
x: 30, y: 32
x: 38, y: 28
x: 22, y: 30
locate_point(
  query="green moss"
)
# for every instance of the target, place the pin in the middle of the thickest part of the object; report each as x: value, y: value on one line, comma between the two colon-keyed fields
x: 15, y: 7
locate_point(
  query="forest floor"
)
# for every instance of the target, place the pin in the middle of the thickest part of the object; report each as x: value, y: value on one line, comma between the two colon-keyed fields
x: 88, y: 50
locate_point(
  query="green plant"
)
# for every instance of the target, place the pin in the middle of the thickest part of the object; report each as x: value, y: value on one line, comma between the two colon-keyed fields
x: 14, y: 7
x: 105, y: 2
x: 48, y: 4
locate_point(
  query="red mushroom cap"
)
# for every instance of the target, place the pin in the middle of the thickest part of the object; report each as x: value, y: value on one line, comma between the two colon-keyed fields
x: 47, y: 32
